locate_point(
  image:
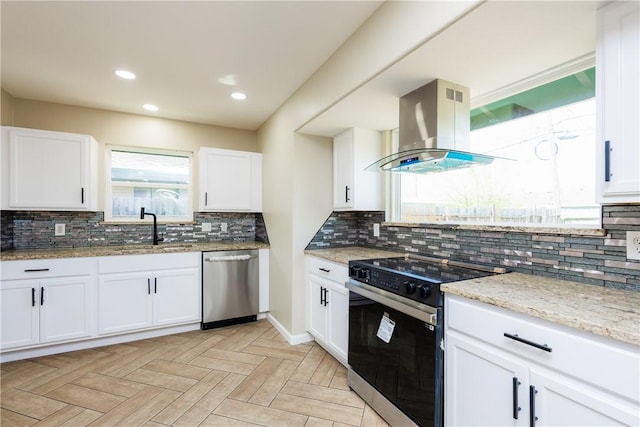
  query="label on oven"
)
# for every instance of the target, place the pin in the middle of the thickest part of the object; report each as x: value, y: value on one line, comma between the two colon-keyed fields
x: 385, y: 330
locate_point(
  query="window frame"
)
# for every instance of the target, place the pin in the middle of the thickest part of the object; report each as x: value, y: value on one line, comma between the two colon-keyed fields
x: 109, y: 184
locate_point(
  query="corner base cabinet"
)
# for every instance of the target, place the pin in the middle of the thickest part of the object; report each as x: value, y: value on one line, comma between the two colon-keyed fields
x: 47, y: 170
x: 328, y: 306
x: 46, y: 301
x: 560, y: 377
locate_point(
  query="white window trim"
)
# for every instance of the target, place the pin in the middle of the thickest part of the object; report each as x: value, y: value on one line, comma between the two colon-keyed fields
x: 161, y: 219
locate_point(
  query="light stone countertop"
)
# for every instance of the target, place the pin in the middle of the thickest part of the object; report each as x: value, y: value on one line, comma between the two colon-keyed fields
x: 602, y: 311
x: 344, y: 255
x: 96, y: 251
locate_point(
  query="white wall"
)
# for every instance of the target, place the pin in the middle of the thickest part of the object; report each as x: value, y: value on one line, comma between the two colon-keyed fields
x: 394, y: 30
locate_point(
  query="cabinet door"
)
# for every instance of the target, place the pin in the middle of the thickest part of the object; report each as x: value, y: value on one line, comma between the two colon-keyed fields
x: 479, y: 385
x: 20, y: 312
x: 124, y: 302
x: 317, y: 310
x: 65, y: 308
x: 338, y: 319
x: 48, y: 170
x: 618, y: 68
x: 561, y: 401
x: 176, y: 296
x: 343, y: 163
x: 226, y: 180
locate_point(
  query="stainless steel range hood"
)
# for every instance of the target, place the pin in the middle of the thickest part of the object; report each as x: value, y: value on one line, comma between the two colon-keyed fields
x: 433, y: 132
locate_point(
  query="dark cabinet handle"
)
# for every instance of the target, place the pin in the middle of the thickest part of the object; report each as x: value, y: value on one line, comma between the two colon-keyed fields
x: 33, y: 297
x: 205, y: 198
x: 326, y: 270
x: 346, y: 193
x: 35, y: 270
x: 515, y: 337
x: 41, y: 295
x: 321, y: 295
x: 532, y: 406
x: 82, y: 195
x: 148, y: 286
x: 607, y: 161
x: 155, y: 285
x: 516, y: 408
x: 326, y: 291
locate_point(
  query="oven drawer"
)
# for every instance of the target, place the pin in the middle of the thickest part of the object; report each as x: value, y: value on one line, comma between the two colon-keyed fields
x: 573, y: 352
x: 333, y: 271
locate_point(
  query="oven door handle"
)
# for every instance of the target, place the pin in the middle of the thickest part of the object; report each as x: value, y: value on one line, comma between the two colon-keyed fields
x: 411, y: 308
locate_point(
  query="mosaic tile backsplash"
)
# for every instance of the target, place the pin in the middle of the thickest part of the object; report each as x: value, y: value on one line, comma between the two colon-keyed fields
x: 35, y: 230
x: 593, y: 260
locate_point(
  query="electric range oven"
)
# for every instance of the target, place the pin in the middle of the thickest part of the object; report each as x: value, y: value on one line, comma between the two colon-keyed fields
x: 396, y: 334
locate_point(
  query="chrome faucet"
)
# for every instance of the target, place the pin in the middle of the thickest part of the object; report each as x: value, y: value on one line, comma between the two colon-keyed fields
x: 156, y: 239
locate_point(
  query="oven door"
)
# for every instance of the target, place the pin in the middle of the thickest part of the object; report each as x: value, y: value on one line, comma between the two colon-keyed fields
x: 394, y: 346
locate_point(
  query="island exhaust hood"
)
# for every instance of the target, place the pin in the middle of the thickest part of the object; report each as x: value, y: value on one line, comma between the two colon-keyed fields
x: 433, y: 132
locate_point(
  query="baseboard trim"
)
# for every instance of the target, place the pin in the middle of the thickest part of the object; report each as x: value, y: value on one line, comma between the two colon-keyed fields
x: 47, y: 350
x: 291, y: 339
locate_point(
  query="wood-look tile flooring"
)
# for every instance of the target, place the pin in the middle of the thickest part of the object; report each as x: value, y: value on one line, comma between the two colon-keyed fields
x: 240, y: 375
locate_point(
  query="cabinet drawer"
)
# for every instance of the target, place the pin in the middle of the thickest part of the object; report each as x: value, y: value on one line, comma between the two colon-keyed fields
x: 43, y: 268
x: 330, y: 270
x: 128, y: 263
x: 603, y: 362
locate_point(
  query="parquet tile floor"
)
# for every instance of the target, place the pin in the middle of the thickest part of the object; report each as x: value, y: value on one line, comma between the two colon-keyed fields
x: 244, y: 375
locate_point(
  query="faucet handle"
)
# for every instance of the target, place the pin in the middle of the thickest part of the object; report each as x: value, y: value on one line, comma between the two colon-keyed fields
x: 161, y: 237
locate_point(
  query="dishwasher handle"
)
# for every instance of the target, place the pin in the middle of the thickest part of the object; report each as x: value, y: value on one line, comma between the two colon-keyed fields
x: 229, y: 258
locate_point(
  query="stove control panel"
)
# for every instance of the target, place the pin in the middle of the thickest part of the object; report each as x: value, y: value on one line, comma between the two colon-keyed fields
x: 398, y: 283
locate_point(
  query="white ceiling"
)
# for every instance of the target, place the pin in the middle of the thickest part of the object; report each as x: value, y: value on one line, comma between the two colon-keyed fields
x: 66, y: 52
x: 495, y: 45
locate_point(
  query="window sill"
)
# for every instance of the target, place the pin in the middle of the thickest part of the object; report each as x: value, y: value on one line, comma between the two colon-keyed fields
x: 589, y: 232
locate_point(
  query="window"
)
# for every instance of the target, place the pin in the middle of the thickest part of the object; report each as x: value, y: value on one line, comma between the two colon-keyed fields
x: 158, y: 181
x: 550, y: 133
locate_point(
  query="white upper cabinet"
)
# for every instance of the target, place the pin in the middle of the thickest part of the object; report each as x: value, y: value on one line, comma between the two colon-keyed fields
x: 46, y: 170
x: 353, y: 187
x: 617, y: 89
x: 230, y: 180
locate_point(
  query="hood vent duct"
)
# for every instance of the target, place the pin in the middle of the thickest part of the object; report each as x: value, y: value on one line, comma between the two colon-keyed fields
x: 433, y: 132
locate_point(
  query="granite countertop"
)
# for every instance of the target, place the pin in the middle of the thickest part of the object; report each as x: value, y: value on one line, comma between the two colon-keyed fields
x: 344, y: 255
x: 602, y: 311
x: 95, y: 251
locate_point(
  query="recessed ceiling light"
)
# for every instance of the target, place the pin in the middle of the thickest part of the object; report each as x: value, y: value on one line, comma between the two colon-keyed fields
x: 150, y: 107
x: 124, y: 74
x: 239, y: 96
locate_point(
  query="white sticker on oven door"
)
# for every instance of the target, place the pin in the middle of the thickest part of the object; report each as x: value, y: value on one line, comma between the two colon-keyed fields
x: 385, y: 330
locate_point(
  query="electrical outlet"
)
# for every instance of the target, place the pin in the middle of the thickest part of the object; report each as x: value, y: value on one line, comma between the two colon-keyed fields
x: 206, y: 226
x: 223, y: 227
x: 59, y: 230
x: 633, y: 245
x: 376, y: 230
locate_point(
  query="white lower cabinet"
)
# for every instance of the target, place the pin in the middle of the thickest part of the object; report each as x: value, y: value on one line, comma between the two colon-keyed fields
x: 328, y: 306
x: 492, y: 380
x: 138, y: 292
x: 41, y: 305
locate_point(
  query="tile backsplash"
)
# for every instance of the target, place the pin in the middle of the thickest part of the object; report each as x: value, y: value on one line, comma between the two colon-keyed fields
x: 597, y: 260
x: 35, y: 230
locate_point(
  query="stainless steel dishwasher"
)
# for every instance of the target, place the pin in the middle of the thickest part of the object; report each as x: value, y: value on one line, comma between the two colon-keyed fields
x: 229, y: 287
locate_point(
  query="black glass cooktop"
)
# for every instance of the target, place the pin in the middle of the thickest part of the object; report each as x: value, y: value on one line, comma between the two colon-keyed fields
x: 426, y: 270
